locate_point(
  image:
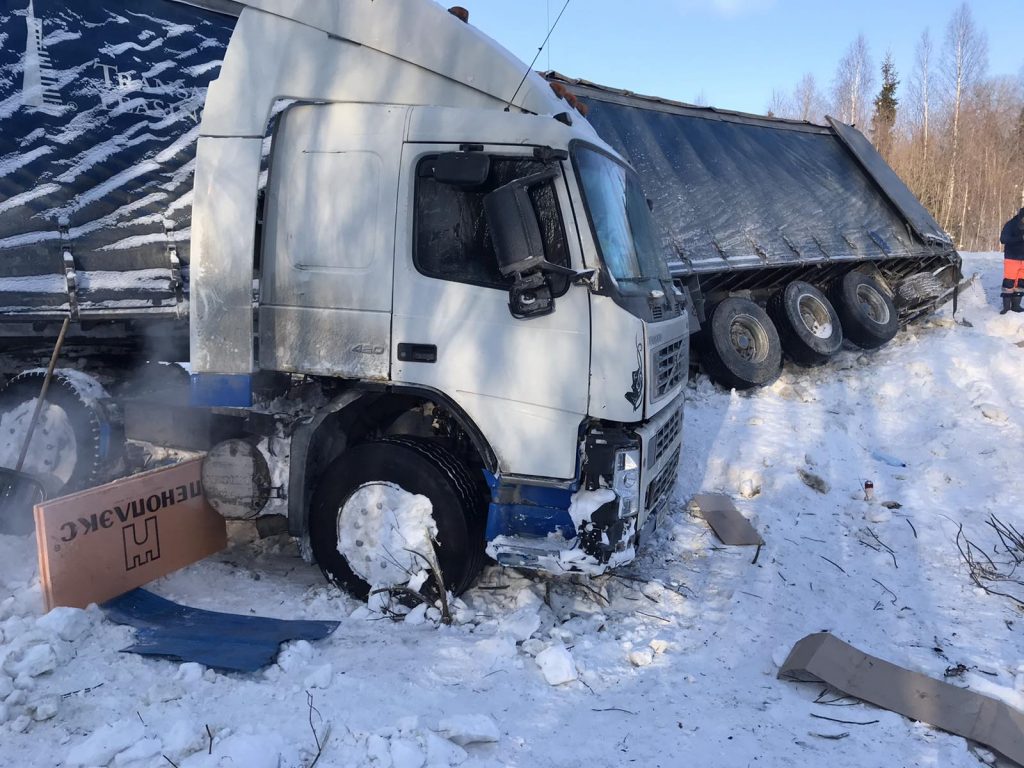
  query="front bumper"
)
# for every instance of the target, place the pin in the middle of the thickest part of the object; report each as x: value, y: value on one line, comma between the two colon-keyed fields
x: 590, y: 527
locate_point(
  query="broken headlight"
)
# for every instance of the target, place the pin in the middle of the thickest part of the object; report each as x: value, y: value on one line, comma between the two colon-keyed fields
x: 626, y: 481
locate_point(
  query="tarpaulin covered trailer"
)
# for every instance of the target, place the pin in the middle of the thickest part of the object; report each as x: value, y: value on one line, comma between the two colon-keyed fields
x: 750, y: 203
x: 100, y: 104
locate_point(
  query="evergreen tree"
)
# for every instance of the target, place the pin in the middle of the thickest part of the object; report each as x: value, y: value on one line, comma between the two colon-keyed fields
x: 884, y: 118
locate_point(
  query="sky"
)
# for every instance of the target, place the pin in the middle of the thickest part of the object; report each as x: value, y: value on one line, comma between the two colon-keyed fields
x: 733, y: 53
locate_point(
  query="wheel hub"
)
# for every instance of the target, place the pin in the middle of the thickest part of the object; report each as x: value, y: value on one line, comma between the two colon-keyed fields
x: 748, y: 338
x: 815, y: 316
x: 52, y: 453
x: 385, y: 532
x: 874, y: 305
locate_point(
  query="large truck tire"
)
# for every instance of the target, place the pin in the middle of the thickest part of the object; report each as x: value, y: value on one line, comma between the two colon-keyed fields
x: 808, y: 325
x: 75, y: 444
x: 918, y: 290
x: 357, y: 493
x: 739, y: 345
x: 865, y: 309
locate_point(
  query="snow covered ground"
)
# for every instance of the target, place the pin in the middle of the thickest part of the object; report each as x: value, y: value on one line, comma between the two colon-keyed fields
x: 672, y: 661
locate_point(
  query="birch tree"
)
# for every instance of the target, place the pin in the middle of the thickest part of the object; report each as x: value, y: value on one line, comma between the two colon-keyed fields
x: 965, y: 59
x: 853, y: 81
x: 809, y: 104
x: 920, y: 89
x: 778, y: 105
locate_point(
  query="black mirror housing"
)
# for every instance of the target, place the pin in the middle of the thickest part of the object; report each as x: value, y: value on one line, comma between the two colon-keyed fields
x: 462, y: 169
x: 515, y: 230
x: 519, y: 246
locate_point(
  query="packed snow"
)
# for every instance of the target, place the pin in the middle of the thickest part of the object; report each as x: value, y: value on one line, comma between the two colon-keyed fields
x: 385, y: 534
x: 670, y: 661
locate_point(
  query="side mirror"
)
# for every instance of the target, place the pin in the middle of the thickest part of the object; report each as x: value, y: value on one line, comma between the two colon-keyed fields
x: 519, y: 245
x: 530, y: 296
x: 462, y: 169
x: 515, y: 230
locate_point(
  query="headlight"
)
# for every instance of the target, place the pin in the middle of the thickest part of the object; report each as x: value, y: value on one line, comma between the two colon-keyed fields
x: 626, y: 481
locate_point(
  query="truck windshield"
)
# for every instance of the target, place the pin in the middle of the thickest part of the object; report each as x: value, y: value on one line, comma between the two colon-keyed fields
x: 622, y: 222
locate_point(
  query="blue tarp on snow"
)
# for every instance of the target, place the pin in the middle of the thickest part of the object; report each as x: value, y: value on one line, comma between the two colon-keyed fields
x: 223, y: 641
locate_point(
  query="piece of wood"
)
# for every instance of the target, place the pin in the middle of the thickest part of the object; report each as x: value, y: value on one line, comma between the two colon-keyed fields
x: 42, y: 394
x: 729, y: 525
x: 97, y: 544
x: 825, y: 658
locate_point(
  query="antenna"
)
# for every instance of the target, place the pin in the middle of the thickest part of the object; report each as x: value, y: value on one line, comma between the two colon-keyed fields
x: 530, y: 68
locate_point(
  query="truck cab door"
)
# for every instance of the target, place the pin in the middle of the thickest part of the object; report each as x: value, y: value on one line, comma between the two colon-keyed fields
x: 523, y: 382
x: 328, y: 240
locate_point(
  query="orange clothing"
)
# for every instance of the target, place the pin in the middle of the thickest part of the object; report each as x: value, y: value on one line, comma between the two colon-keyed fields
x: 1013, y: 276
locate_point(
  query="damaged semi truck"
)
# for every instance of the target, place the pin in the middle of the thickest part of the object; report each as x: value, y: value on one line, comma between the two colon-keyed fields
x: 396, y: 263
x: 786, y: 236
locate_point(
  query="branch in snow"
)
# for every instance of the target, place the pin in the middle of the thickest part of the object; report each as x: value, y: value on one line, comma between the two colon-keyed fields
x: 320, y: 744
x: 984, y: 570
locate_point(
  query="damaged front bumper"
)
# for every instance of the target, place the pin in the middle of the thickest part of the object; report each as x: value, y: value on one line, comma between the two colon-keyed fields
x: 624, y: 488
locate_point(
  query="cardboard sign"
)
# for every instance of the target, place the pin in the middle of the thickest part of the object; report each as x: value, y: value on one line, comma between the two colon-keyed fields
x: 825, y: 658
x: 100, y: 543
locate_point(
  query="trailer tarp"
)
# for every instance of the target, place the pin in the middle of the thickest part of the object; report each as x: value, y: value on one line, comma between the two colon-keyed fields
x: 916, y: 214
x: 734, y: 191
x: 100, y: 102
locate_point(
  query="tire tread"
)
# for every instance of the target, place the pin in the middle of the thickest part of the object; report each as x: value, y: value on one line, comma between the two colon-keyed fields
x: 455, y: 474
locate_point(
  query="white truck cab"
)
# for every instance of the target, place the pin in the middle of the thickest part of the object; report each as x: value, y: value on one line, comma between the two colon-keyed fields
x: 471, y: 271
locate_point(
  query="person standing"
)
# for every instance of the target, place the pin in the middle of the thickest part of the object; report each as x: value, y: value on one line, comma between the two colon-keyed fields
x: 1012, y: 238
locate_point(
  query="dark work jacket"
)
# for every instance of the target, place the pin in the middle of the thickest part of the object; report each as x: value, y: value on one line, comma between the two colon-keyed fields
x: 1012, y: 237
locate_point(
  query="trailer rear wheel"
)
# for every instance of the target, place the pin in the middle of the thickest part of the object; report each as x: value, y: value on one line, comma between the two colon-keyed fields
x: 867, y: 313
x: 808, y: 324
x: 740, y: 346
x: 368, y: 494
x: 75, y: 445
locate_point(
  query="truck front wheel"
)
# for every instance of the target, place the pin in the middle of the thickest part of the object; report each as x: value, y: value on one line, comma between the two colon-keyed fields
x: 808, y: 324
x: 382, y: 505
x: 740, y: 346
x: 868, y: 315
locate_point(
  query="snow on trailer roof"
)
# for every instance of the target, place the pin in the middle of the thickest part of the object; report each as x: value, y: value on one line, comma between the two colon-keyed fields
x: 625, y: 96
x: 736, y: 191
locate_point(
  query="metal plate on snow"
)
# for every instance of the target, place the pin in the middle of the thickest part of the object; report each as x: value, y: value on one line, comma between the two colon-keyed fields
x: 725, y: 520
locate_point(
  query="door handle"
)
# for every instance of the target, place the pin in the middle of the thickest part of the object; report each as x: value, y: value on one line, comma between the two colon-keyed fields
x: 417, y: 353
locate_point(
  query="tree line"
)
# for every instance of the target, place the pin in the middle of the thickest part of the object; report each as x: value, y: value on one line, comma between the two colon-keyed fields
x: 953, y: 132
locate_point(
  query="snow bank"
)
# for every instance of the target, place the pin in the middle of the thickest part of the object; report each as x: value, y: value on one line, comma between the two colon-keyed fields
x: 675, y: 655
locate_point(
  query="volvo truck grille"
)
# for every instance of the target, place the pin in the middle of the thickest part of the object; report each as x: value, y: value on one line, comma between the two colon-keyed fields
x: 665, y: 440
x: 660, y: 488
x: 669, y: 368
